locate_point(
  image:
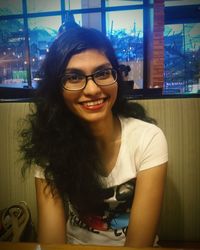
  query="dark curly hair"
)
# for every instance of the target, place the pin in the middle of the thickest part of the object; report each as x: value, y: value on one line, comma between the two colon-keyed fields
x: 55, y: 138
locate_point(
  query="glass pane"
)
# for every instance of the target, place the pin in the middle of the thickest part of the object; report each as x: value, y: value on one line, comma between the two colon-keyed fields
x: 181, y: 2
x: 42, y: 32
x: 126, y: 34
x: 182, y: 58
x: 91, y: 20
x: 82, y: 4
x: 9, y: 7
x: 13, y: 63
x: 42, y: 5
x: 110, y: 3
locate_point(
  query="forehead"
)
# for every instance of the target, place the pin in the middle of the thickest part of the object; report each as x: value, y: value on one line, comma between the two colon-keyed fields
x: 88, y: 60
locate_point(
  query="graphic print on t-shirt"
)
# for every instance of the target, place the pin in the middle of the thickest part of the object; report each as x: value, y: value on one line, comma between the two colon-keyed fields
x: 113, y: 213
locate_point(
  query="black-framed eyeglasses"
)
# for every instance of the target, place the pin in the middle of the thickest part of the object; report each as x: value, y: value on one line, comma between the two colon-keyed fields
x: 77, y: 81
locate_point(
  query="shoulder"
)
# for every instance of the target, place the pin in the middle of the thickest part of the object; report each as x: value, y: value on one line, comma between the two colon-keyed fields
x: 138, y: 127
x: 142, y: 135
x: 146, y: 141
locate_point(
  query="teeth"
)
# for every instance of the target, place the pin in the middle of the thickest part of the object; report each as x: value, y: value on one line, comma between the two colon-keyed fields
x: 93, y: 103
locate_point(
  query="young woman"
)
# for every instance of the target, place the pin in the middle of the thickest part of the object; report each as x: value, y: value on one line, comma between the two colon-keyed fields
x: 100, y: 164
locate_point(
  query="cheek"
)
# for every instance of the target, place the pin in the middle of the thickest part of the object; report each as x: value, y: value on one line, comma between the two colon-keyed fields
x: 113, y: 91
x: 69, y: 98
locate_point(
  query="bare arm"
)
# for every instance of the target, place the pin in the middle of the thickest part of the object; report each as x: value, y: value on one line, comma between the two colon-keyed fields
x: 146, y: 207
x: 51, y: 215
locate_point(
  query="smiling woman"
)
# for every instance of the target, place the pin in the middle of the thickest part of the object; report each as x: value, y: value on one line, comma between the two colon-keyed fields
x: 91, y: 99
x: 95, y: 155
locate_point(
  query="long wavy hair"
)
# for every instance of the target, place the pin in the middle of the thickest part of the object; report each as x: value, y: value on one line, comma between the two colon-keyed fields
x: 55, y: 138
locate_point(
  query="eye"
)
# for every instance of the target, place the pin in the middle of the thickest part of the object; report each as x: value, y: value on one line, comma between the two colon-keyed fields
x: 73, y: 78
x: 103, y: 74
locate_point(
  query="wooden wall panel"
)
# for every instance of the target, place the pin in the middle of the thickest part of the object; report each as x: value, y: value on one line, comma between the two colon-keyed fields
x: 180, y: 121
x: 13, y: 187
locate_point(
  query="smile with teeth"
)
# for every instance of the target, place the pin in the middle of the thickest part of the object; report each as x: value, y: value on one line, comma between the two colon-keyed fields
x: 93, y: 103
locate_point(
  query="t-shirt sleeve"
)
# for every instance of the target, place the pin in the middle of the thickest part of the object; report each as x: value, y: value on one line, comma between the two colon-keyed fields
x: 153, y: 149
x: 39, y: 172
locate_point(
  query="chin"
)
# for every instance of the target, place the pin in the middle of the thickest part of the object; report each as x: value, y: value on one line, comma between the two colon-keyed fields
x: 94, y: 118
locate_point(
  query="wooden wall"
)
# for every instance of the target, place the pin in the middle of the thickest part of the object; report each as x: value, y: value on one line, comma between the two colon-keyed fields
x: 180, y: 121
x: 13, y: 187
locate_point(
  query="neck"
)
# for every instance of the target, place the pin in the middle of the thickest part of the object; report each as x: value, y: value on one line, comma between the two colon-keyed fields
x: 106, y: 131
x: 108, y: 139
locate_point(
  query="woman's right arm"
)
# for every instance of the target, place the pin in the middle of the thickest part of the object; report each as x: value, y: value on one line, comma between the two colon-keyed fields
x: 51, y: 215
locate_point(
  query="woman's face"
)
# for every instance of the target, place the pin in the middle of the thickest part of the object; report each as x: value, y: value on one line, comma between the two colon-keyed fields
x: 93, y: 103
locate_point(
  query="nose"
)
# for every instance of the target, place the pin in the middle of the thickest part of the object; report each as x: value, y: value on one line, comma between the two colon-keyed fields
x: 91, y: 87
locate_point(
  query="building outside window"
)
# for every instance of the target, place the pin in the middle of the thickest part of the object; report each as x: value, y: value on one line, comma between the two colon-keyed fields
x: 182, y: 58
x: 127, y: 38
x: 182, y: 47
x: 41, y: 31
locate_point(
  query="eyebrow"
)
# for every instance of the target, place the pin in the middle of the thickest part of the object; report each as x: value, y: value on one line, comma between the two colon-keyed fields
x: 79, y: 71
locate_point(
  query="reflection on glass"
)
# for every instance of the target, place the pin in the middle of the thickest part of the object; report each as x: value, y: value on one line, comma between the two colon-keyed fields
x: 182, y: 58
x: 10, y: 7
x: 42, y: 5
x: 182, y: 2
x: 126, y: 35
x: 81, y: 4
x: 42, y: 32
x: 110, y: 3
x: 91, y: 20
x: 13, y: 62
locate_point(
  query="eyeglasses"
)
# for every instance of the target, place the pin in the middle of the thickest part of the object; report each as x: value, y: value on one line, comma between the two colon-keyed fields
x: 76, y: 81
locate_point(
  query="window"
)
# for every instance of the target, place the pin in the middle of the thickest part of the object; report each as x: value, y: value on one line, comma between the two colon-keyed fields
x: 182, y: 48
x: 13, y: 56
x: 82, y: 4
x: 127, y: 38
x: 180, y: 3
x: 182, y: 58
x: 42, y: 32
x: 28, y: 27
x: 35, y: 6
x: 111, y: 3
x: 92, y: 20
x: 10, y: 7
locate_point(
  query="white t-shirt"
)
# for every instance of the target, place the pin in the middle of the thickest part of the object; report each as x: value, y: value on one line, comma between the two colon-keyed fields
x: 143, y: 146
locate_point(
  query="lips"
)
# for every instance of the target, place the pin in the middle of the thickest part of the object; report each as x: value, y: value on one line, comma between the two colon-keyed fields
x: 94, y: 104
